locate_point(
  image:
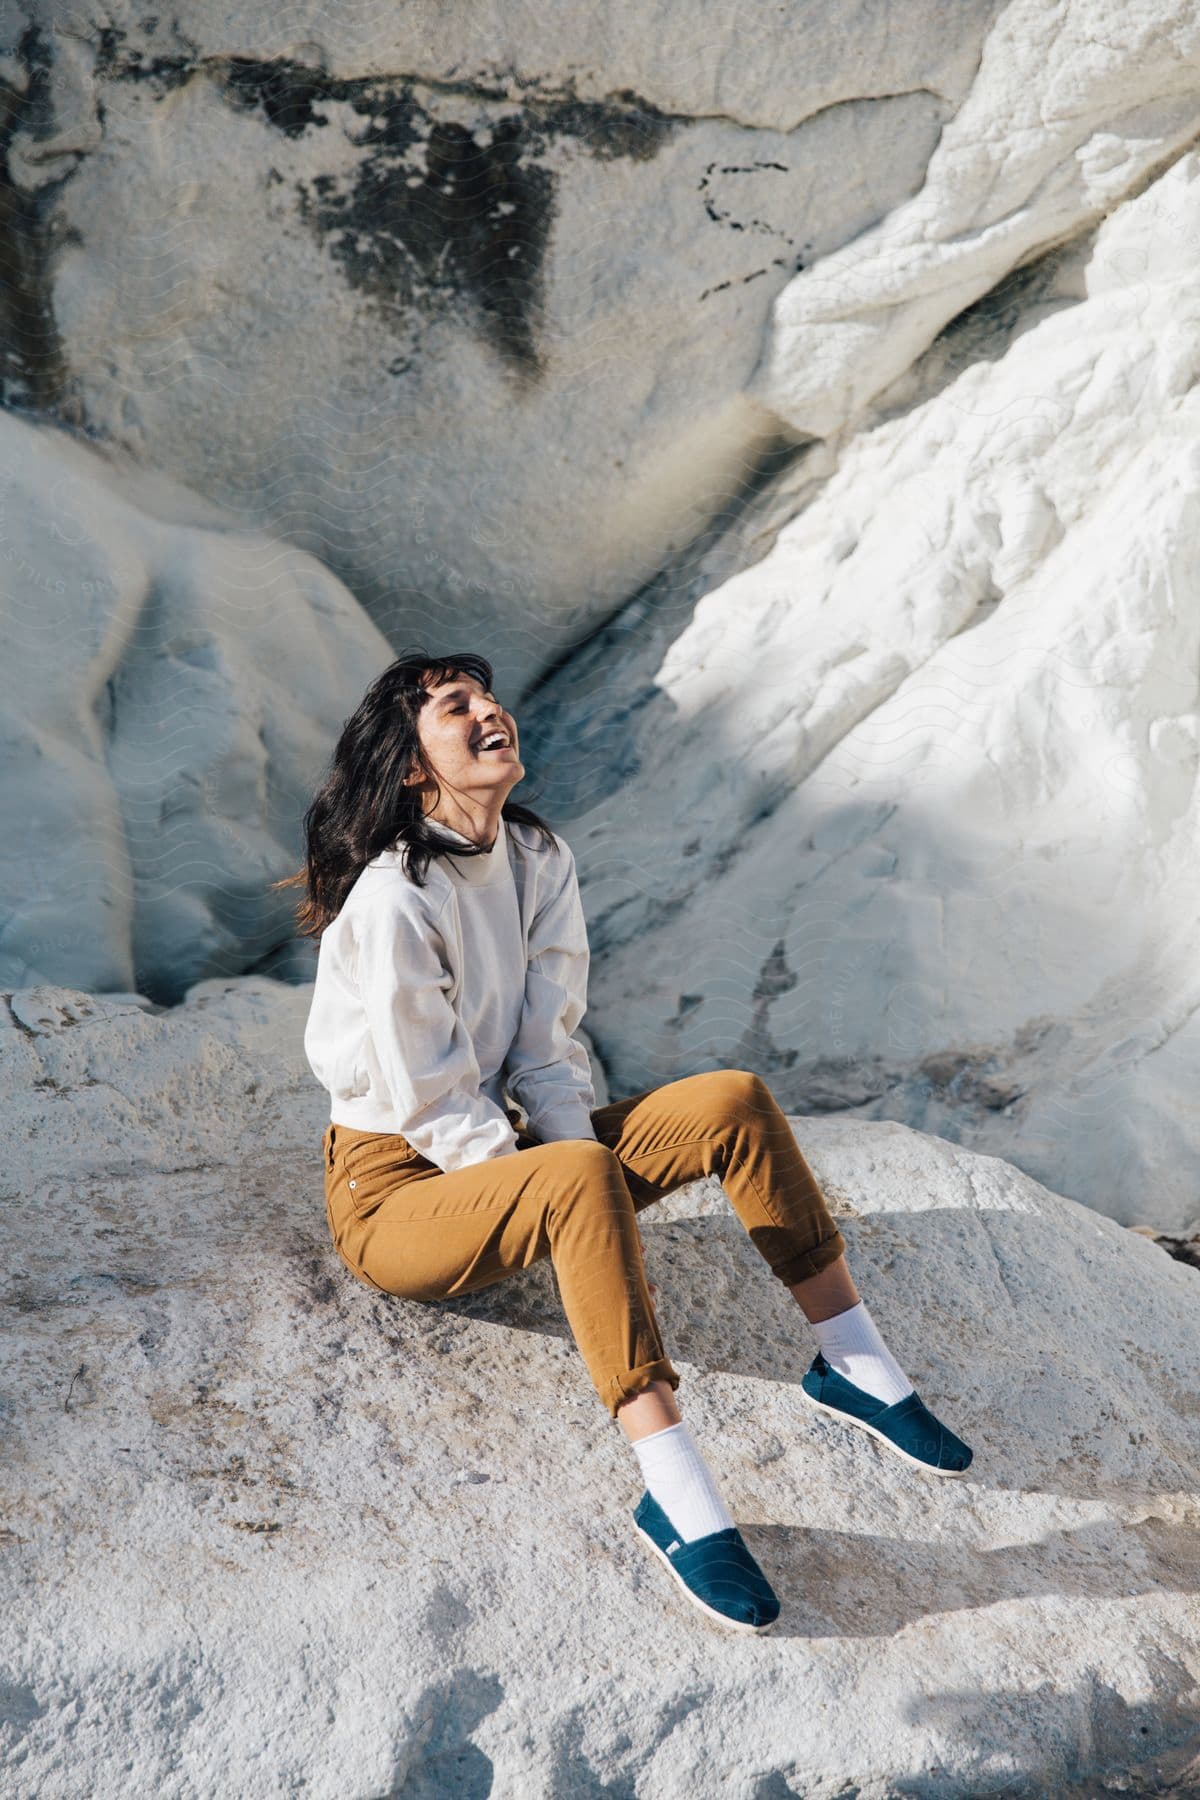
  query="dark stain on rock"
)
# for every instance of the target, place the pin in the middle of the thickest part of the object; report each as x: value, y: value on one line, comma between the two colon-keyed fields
x: 757, y: 1049
x: 1185, y: 1250
x: 322, y: 1288
x: 970, y: 1078
x: 838, y: 1083
x: 440, y: 211
x: 119, y: 60
x: 32, y: 370
x: 687, y: 1005
x: 288, y: 93
x: 774, y: 977
x: 627, y: 126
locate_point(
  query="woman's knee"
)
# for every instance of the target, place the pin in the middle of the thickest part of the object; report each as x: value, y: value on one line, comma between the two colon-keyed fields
x: 733, y: 1091
x: 590, y: 1151
x: 583, y: 1165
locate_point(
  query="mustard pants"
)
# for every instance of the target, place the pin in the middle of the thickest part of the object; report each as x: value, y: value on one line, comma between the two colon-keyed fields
x: 404, y: 1226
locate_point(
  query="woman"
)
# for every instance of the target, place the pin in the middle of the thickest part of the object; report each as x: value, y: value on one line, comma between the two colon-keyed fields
x: 452, y: 973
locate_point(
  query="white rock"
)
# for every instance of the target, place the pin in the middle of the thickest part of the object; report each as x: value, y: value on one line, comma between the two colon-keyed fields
x: 1070, y: 108
x: 101, y: 1085
x: 987, y: 930
x: 280, y: 1533
x: 907, y: 811
x: 264, y: 284
x: 170, y: 689
x: 267, y: 284
x: 770, y: 68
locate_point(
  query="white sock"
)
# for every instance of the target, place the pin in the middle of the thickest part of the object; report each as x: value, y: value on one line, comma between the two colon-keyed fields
x: 853, y: 1348
x: 680, y: 1480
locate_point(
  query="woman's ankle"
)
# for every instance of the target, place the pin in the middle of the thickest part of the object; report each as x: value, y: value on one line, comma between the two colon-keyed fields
x: 823, y: 1296
x: 679, y: 1481
x: 653, y: 1409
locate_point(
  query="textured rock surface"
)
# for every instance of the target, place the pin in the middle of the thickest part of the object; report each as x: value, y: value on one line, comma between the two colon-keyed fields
x: 498, y: 317
x: 1070, y: 108
x: 110, y: 1084
x: 268, y: 1531
x: 169, y: 692
x: 924, y: 774
x: 492, y: 312
x: 884, y: 785
x: 406, y: 342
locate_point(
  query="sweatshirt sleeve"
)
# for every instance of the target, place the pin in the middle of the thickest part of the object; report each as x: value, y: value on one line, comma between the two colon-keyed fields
x: 546, y: 1070
x: 425, y: 1054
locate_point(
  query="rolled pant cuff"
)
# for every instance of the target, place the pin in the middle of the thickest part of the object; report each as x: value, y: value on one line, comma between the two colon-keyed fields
x: 811, y: 1262
x: 634, y: 1381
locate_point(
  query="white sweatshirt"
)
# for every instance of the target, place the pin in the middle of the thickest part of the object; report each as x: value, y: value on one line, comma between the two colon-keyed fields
x: 431, y: 1003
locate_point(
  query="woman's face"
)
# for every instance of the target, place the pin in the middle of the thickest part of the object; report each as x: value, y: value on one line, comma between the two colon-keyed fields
x: 454, y: 724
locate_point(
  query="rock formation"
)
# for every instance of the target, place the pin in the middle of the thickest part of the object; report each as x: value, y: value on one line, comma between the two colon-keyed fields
x: 799, y: 411
x: 266, y: 1530
x: 926, y: 769
x: 170, y: 691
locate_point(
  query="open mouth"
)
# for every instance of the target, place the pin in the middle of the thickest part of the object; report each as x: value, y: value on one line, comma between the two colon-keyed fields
x: 493, y: 745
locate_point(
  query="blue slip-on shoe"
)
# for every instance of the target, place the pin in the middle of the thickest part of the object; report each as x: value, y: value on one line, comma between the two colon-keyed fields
x: 717, y: 1572
x: 906, y: 1426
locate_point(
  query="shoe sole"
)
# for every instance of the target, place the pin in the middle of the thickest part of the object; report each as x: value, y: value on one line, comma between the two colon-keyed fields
x: 720, y: 1617
x: 844, y: 1418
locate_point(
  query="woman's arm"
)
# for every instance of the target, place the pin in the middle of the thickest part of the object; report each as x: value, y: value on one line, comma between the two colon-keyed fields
x: 425, y: 1055
x: 546, y: 1070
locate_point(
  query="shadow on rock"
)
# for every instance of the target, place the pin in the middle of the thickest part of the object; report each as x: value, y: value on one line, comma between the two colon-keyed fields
x: 852, y: 1585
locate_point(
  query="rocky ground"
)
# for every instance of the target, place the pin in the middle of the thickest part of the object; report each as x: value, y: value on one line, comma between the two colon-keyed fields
x: 267, y: 1532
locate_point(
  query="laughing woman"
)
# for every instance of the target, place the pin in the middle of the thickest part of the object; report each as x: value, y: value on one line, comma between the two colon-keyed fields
x: 451, y: 976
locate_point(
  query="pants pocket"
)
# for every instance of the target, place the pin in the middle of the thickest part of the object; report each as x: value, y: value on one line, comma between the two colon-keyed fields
x: 367, y: 1168
x: 342, y: 1257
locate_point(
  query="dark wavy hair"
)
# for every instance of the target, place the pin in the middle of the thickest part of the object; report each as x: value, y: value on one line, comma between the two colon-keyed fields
x: 363, y: 804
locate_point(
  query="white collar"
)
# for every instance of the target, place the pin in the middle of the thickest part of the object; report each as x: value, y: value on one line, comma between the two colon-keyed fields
x: 476, y: 871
